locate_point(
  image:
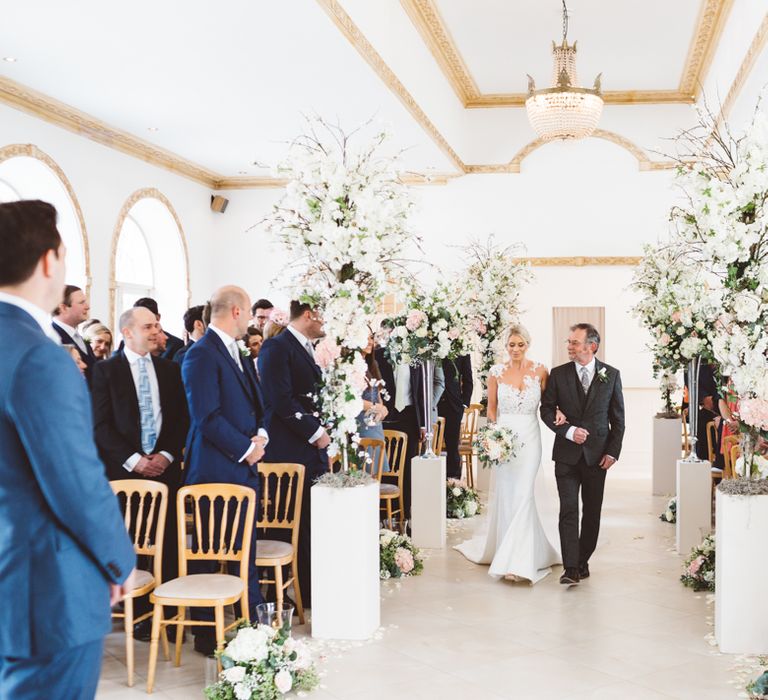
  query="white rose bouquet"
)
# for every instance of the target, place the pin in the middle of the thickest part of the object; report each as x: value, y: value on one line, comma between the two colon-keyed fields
x: 461, y: 501
x: 398, y: 557
x: 496, y: 445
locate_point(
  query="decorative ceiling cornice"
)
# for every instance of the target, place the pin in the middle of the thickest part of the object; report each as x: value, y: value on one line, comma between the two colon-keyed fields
x: 433, y: 30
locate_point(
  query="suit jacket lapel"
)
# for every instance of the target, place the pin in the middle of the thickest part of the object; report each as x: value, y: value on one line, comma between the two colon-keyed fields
x: 593, y: 387
x: 231, y: 362
x: 576, y: 382
x: 303, y: 352
x: 129, y: 390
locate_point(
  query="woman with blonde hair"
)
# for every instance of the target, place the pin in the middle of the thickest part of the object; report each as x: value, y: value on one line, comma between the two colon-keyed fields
x: 99, y: 337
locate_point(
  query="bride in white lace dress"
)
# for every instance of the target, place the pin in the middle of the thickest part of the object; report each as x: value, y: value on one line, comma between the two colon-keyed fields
x: 515, y: 544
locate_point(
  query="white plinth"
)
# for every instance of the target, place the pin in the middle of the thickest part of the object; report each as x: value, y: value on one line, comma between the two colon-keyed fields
x: 428, y: 502
x: 694, y: 504
x: 482, y: 476
x: 741, y: 606
x: 345, y: 562
x: 667, y: 440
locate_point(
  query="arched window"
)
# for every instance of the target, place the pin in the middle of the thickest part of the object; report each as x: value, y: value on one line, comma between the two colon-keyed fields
x: 150, y: 259
x: 28, y: 173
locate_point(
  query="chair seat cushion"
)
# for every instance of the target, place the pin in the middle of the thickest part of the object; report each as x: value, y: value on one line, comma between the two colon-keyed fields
x: 273, y: 549
x: 206, y: 586
x: 142, y: 579
x: 388, y: 490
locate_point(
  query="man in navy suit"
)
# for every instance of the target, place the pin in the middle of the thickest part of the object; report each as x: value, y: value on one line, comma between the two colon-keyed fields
x: 226, y: 437
x: 289, y: 374
x: 455, y: 398
x: 65, y: 556
x: 67, y: 316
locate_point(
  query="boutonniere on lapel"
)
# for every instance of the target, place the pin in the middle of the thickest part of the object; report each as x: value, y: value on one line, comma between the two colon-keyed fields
x: 602, y: 375
x: 244, y: 351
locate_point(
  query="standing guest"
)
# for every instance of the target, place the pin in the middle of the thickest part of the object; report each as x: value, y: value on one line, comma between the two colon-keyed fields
x: 260, y: 313
x: 289, y: 376
x: 72, y: 311
x: 140, y: 422
x: 74, y: 353
x: 173, y: 344
x: 64, y: 550
x: 369, y: 422
x: 162, y: 342
x: 227, y: 437
x: 99, y: 338
x: 276, y: 323
x: 456, y: 397
x: 194, y: 327
x: 253, y: 342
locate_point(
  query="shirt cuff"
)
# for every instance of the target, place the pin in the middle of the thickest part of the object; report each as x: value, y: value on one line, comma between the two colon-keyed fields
x: 130, y: 463
x: 247, y: 452
x: 569, y: 434
x: 263, y: 433
x: 316, y: 435
x: 167, y: 455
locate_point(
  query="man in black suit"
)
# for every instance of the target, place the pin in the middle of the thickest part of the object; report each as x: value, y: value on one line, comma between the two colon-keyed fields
x: 456, y: 397
x: 141, y: 421
x: 589, y: 393
x: 67, y: 316
x: 289, y: 375
x: 195, y: 328
x: 173, y: 344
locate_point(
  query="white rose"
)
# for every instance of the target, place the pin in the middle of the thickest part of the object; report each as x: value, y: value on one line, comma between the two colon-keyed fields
x: 456, y: 491
x: 421, y: 332
x: 235, y: 674
x: 283, y: 681
x: 242, y: 691
x: 746, y: 306
x: 470, y: 508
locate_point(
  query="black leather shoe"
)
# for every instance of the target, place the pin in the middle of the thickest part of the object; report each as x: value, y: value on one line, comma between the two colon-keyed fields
x: 142, y: 631
x: 584, y: 571
x: 570, y: 577
x: 205, y: 644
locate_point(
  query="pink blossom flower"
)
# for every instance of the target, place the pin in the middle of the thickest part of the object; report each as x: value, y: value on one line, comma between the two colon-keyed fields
x: 754, y: 412
x: 414, y: 319
x: 664, y: 339
x: 279, y: 317
x: 676, y: 316
x: 404, y: 560
x: 326, y: 353
x: 479, y: 326
x: 695, y: 565
x: 453, y: 333
x: 358, y: 380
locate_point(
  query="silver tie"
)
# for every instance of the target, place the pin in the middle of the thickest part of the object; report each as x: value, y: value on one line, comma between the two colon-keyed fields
x: 585, y: 379
x: 234, y: 350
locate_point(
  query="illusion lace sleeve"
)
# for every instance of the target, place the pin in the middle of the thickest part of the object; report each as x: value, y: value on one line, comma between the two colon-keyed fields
x: 496, y: 371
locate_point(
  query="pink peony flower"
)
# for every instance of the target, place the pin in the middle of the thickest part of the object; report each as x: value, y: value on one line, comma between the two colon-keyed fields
x: 754, y: 412
x: 453, y: 333
x: 676, y: 316
x: 404, y: 560
x: 358, y: 380
x: 695, y: 565
x: 326, y: 353
x: 478, y: 326
x: 279, y: 317
x: 414, y: 319
x: 664, y: 339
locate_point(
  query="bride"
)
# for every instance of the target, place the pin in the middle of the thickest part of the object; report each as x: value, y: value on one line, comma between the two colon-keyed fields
x: 515, y: 544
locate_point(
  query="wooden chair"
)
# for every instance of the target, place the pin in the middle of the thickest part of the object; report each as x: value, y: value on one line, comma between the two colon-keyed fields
x: 711, y: 441
x: 375, y: 451
x: 729, y: 442
x: 282, y: 490
x: 467, y: 438
x: 438, y: 434
x: 735, y: 454
x: 686, y: 446
x: 222, y: 531
x: 391, y: 486
x: 145, y: 506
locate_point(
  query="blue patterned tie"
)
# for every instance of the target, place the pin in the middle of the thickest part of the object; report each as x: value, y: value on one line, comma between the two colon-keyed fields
x: 148, y: 434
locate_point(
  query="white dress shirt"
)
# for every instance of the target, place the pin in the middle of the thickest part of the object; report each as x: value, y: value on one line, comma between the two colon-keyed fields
x: 41, y: 317
x: 306, y: 343
x: 402, y: 387
x: 154, y: 390
x: 234, y: 350
x: 73, y: 333
x: 590, y: 376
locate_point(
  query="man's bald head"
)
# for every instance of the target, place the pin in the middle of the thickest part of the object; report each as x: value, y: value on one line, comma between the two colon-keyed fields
x: 230, y: 310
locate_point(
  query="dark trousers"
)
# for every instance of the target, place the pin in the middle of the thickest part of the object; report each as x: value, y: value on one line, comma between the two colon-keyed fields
x: 577, y: 547
x: 452, y: 437
x: 407, y: 422
x: 72, y: 674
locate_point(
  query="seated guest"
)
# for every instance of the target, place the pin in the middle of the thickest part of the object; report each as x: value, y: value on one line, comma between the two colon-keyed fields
x: 369, y: 422
x: 74, y: 353
x: 260, y: 313
x: 70, y: 313
x: 99, y: 337
x: 276, y: 323
x: 140, y: 423
x: 708, y: 406
x: 194, y: 327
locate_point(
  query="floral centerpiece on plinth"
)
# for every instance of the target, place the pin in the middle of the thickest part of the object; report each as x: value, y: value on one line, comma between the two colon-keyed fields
x: 263, y: 663
x: 496, y: 444
x: 488, y: 291
x: 699, y: 567
x: 398, y: 557
x: 343, y: 222
x: 669, y: 386
x: 461, y: 501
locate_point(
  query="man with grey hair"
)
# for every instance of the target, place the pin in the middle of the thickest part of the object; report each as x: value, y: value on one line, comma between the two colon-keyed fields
x: 589, y: 393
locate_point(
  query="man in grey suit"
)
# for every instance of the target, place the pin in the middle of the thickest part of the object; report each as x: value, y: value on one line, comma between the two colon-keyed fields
x: 589, y: 393
x: 65, y: 556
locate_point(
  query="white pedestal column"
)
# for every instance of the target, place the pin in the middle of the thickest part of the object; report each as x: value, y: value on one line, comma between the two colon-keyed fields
x: 667, y: 441
x: 694, y: 504
x: 482, y: 476
x: 428, y: 502
x: 345, y: 562
x: 741, y: 606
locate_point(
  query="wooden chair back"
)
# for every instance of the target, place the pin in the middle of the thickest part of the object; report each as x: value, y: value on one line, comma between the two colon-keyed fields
x: 469, y: 423
x: 711, y: 441
x: 396, y: 444
x: 144, y: 504
x: 375, y: 450
x: 686, y: 443
x: 729, y: 442
x: 438, y: 434
x: 222, y: 524
x: 282, y: 492
x: 735, y: 454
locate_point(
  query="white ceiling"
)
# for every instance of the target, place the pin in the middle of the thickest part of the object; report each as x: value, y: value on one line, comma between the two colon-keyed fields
x: 225, y: 83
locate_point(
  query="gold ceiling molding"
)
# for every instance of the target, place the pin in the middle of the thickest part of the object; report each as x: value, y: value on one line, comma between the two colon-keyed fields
x: 435, y: 34
x: 580, y: 261
x: 249, y: 183
x: 364, y: 47
x: 145, y: 193
x: 28, y: 150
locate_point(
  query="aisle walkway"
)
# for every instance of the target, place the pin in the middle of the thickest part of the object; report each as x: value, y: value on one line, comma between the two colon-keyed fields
x: 631, y: 631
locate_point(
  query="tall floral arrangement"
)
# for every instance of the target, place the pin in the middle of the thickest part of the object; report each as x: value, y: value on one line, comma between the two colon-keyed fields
x: 344, y: 223
x: 488, y: 292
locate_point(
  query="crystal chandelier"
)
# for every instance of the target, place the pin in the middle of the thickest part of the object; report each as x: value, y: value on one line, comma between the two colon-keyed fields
x: 564, y: 111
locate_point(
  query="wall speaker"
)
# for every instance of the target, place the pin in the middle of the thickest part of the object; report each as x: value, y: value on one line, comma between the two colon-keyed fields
x: 219, y: 203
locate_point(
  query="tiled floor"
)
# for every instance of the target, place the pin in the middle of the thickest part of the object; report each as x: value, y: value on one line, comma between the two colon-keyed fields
x: 631, y: 631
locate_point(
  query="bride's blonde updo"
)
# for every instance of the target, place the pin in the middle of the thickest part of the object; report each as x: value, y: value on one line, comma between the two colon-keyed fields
x: 519, y: 330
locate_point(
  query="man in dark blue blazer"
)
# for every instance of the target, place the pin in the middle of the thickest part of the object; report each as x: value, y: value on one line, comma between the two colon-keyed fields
x: 226, y: 436
x: 67, y: 316
x: 456, y: 397
x: 289, y: 374
x: 64, y: 552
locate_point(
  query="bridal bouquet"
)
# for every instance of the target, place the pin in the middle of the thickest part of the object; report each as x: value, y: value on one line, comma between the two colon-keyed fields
x: 461, y: 501
x: 496, y: 445
x: 670, y: 512
x: 263, y: 663
x: 398, y: 557
x: 699, y: 567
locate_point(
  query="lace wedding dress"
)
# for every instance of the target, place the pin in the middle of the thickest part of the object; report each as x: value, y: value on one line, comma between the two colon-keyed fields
x: 515, y: 544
